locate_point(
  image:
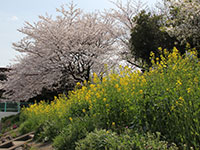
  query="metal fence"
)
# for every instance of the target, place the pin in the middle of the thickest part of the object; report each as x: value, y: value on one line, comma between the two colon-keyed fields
x: 12, y: 106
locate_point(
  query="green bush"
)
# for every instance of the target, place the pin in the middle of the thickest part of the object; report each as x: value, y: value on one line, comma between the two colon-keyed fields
x: 78, y: 129
x: 47, y: 131
x: 26, y: 127
x: 107, y: 140
x: 7, y: 123
x: 12, y: 118
x: 97, y: 140
x: 147, y: 36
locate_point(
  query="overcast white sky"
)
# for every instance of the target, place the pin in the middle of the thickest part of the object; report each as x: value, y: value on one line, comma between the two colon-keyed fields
x: 13, y: 14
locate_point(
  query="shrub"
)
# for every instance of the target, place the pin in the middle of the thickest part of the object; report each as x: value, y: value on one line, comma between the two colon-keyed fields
x: 97, y: 140
x: 12, y: 118
x: 9, y: 122
x: 147, y: 36
x: 47, y: 131
x: 78, y: 129
x: 26, y: 127
x: 108, y: 140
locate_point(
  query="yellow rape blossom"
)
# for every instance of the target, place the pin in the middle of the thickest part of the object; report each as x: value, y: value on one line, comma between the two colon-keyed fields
x: 92, y: 86
x: 160, y: 49
x: 188, y: 90
x: 141, y: 91
x: 87, y: 97
x: 144, y: 80
x: 116, y: 86
x: 104, y: 80
x: 95, y: 78
x: 78, y: 84
x: 152, y: 61
x: 196, y: 80
x: 166, y: 52
x: 178, y: 83
x: 152, y: 54
x: 181, y: 99
x: 98, y: 95
x: 70, y: 118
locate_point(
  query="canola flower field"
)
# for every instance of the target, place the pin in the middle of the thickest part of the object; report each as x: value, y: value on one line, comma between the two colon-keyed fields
x: 164, y: 99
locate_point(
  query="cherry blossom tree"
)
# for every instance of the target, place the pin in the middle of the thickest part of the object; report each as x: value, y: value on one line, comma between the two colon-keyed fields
x: 58, y: 52
x: 3, y: 78
x: 184, y: 21
x: 123, y: 16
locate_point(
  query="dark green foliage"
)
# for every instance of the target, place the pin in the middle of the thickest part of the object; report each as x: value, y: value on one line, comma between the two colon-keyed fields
x: 47, y: 95
x: 147, y: 36
x: 75, y: 131
x: 26, y: 127
x: 12, y: 118
x: 98, y: 140
x: 64, y: 86
x: 8, y: 122
x: 107, y: 140
x: 47, y: 131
